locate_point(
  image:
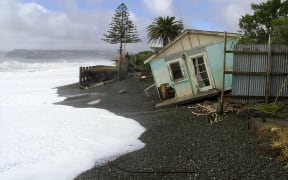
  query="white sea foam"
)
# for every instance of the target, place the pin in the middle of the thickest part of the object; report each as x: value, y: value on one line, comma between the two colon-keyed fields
x: 7, y: 65
x: 40, y: 140
x: 97, y: 101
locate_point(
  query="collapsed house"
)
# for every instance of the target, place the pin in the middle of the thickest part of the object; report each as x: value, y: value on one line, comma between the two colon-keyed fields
x: 190, y: 67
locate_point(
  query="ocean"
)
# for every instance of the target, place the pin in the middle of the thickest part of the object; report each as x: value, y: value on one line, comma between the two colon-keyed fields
x: 41, y: 140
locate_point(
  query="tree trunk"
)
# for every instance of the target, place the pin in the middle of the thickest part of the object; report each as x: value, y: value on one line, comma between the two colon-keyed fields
x: 120, y: 59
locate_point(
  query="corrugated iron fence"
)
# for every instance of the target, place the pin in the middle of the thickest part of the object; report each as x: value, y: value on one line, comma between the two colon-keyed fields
x: 260, y: 73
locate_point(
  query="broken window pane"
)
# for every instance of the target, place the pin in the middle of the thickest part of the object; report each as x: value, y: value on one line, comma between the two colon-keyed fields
x: 176, y: 71
x: 200, y: 72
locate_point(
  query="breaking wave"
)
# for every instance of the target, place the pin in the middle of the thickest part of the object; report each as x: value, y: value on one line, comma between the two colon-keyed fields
x: 7, y: 65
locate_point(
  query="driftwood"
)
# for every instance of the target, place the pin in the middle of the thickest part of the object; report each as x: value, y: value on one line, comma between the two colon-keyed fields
x: 122, y: 91
x: 210, y: 111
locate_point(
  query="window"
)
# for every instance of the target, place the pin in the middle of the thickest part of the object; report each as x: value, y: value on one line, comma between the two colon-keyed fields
x: 176, y: 71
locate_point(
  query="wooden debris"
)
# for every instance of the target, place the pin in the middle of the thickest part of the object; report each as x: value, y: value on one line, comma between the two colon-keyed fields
x: 149, y: 87
x: 122, y: 91
x: 210, y: 111
x: 94, y: 85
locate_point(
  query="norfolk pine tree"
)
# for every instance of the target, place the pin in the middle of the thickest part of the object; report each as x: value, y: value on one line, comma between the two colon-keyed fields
x: 121, y: 29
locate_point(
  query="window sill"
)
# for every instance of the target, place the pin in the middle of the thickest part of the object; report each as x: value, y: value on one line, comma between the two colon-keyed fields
x: 180, y: 80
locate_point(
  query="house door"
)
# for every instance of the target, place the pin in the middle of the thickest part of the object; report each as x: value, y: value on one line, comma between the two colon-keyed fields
x: 201, y: 73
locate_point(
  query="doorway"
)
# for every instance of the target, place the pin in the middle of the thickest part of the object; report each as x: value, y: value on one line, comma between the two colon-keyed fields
x: 201, y: 73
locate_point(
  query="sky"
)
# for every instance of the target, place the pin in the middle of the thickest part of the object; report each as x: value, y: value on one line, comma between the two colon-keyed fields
x: 80, y: 24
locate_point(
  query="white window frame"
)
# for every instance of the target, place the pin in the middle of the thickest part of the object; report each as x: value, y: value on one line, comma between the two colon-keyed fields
x: 182, y: 67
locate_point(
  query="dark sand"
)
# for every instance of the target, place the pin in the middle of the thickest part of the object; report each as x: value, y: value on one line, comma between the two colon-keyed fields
x: 179, y: 145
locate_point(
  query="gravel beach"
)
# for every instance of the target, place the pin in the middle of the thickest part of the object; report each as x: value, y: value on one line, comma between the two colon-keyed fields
x: 179, y: 145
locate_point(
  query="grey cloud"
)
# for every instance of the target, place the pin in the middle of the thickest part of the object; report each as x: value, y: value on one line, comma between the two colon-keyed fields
x: 29, y: 25
x: 159, y: 7
x: 34, y: 27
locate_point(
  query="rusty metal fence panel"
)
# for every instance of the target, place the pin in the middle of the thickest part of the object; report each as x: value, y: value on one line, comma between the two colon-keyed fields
x: 253, y: 80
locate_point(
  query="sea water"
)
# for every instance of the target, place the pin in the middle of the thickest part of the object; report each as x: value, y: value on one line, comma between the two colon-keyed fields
x: 41, y: 140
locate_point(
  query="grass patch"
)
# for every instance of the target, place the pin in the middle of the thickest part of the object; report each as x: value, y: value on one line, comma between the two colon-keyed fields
x: 272, y: 138
x: 278, y: 109
x: 273, y: 142
x: 281, y: 142
x: 286, y: 167
x: 268, y: 108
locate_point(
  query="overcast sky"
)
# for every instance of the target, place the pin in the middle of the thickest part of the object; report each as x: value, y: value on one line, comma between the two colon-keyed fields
x: 80, y: 24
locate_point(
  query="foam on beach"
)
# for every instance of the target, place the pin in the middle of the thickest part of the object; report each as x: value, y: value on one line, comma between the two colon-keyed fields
x: 97, y: 101
x: 40, y: 140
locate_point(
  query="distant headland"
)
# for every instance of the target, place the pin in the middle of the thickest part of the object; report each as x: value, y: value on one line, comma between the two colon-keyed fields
x: 57, y: 54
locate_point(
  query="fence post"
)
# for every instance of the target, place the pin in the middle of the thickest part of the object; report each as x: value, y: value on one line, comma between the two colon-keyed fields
x: 223, y: 74
x: 80, y: 76
x: 268, y: 71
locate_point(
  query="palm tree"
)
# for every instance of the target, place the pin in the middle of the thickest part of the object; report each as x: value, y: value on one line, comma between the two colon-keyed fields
x: 164, y: 29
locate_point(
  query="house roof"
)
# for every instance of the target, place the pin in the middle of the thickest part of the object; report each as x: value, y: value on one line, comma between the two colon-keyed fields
x: 190, y: 31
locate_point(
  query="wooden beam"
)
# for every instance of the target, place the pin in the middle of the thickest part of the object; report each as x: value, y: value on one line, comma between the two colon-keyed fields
x: 255, y: 73
x: 223, y: 73
x: 267, y: 84
x: 253, y: 97
x: 255, y: 52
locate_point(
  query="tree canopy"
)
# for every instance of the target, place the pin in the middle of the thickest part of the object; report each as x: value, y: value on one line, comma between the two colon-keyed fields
x: 164, y: 29
x: 121, y: 29
x: 139, y: 59
x: 257, y: 27
x: 280, y: 31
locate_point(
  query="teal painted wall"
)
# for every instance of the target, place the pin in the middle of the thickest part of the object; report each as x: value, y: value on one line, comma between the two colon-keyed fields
x: 160, y: 72
x: 182, y: 88
x: 215, y: 55
x: 161, y: 75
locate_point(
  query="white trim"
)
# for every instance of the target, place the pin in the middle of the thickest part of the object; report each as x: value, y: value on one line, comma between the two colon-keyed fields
x: 208, y: 70
x: 182, y: 66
